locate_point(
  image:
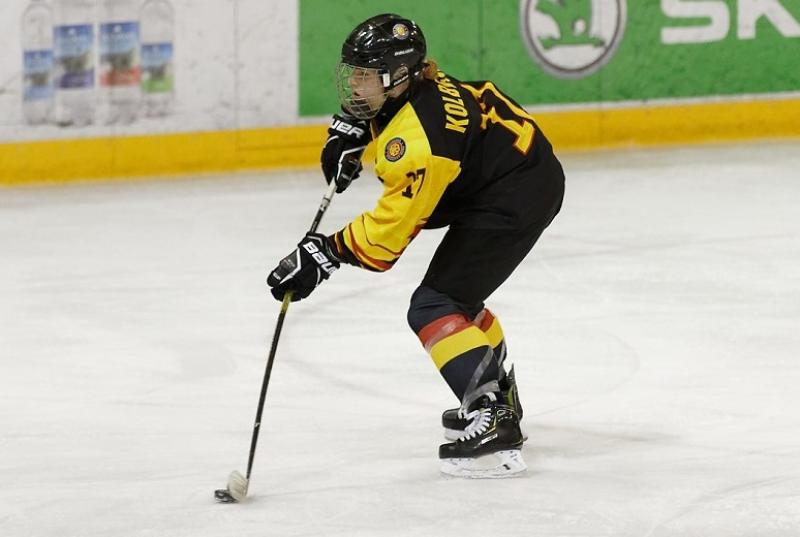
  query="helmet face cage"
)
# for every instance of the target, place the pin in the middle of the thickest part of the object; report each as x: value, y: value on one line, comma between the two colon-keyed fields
x: 362, y: 90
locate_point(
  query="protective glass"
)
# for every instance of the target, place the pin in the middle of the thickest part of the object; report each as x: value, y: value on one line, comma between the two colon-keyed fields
x: 362, y: 91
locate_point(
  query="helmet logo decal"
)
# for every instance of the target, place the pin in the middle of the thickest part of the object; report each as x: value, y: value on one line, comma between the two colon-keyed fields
x: 400, y: 30
x: 572, y: 38
x: 395, y: 149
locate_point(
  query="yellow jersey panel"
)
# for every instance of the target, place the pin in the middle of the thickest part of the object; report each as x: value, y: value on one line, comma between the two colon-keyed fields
x: 414, y: 181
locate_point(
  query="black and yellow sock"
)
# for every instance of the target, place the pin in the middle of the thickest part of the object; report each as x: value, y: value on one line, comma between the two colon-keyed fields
x: 464, y: 353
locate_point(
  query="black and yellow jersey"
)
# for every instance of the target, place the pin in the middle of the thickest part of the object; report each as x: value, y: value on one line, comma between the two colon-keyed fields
x: 449, y: 156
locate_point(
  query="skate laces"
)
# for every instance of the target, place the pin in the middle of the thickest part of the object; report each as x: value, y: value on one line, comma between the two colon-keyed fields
x: 479, y: 424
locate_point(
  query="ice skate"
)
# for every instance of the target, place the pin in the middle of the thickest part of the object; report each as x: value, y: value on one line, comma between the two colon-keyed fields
x: 489, y: 446
x: 454, y: 425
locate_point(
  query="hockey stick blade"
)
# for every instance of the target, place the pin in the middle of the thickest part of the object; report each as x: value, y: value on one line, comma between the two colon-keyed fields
x: 236, y: 491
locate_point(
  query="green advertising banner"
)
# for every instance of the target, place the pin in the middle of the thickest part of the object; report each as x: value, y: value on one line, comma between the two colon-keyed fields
x: 552, y: 52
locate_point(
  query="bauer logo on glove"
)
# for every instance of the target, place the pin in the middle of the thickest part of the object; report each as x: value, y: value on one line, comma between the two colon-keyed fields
x: 357, y: 133
x: 304, y: 269
x: 323, y: 262
x: 341, y: 155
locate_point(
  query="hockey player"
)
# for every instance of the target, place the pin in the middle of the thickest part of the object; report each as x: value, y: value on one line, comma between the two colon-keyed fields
x: 449, y: 153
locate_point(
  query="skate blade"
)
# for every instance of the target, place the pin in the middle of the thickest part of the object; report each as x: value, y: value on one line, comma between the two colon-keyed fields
x: 236, y: 490
x: 499, y: 465
x: 451, y: 435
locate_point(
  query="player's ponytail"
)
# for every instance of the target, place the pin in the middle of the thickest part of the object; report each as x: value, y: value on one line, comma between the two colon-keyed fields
x: 429, y: 69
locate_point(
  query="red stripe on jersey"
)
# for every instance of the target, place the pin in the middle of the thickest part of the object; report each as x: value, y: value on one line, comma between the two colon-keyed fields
x: 382, y: 247
x: 339, y: 246
x: 363, y: 257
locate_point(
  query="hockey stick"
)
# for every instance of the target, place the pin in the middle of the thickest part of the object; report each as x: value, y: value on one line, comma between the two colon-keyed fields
x: 236, y: 491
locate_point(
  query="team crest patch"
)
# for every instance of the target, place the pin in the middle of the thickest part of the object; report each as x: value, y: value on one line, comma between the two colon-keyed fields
x: 395, y: 149
x: 400, y: 30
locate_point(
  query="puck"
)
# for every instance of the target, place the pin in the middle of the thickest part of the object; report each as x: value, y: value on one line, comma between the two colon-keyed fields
x: 224, y: 496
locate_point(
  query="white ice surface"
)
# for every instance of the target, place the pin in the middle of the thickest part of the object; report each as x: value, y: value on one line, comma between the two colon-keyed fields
x: 655, y: 328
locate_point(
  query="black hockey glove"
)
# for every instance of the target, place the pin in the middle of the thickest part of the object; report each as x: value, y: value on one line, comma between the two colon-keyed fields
x: 341, y: 155
x: 304, y: 269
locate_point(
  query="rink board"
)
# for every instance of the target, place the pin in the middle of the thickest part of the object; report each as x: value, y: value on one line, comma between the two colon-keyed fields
x: 178, y: 154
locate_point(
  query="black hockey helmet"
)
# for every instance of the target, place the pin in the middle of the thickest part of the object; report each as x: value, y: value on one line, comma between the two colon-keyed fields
x: 379, y: 54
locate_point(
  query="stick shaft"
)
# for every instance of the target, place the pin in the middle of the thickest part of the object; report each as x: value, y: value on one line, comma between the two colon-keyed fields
x: 323, y: 206
x: 265, y: 383
x: 287, y: 298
